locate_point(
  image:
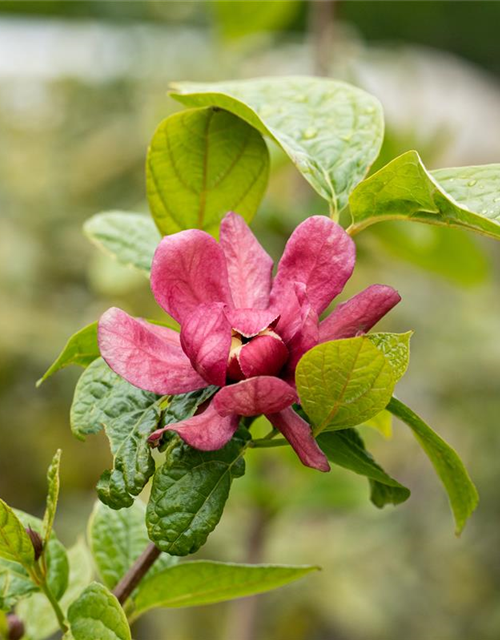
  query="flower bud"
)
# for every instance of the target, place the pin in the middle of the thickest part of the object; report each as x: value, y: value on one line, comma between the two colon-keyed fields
x: 15, y: 627
x: 36, y: 541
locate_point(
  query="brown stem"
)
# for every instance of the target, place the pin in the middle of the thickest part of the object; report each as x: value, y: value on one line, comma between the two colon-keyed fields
x: 322, y: 19
x: 136, y: 572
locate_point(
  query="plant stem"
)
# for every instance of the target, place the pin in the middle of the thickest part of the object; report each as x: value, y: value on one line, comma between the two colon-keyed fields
x: 266, y: 443
x: 61, y: 619
x: 136, y: 572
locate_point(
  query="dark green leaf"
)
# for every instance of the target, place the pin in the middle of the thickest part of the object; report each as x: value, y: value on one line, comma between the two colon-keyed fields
x: 189, y: 493
x: 130, y: 238
x: 450, y: 469
x: 331, y: 130
x: 346, y: 449
x: 191, y: 584
x: 81, y: 349
x: 201, y: 164
x: 97, y: 615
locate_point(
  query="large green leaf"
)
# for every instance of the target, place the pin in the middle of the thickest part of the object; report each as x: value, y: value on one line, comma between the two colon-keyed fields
x: 189, y: 493
x: 117, y: 539
x: 201, y: 164
x: 192, y: 584
x: 331, y: 130
x: 81, y: 349
x: 38, y: 615
x: 465, y: 197
x: 15, y: 544
x: 52, y: 496
x: 130, y: 238
x: 346, y: 449
x: 97, y: 615
x: 344, y: 383
x: 15, y: 584
x: 396, y: 348
x: 461, y: 491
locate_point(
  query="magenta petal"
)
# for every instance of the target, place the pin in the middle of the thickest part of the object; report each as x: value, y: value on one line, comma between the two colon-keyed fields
x: 166, y: 333
x: 250, y: 322
x: 264, y: 355
x: 249, y: 266
x: 299, y: 435
x: 359, y: 314
x: 143, y: 356
x: 263, y: 394
x: 321, y: 255
x: 288, y: 301
x: 206, y: 340
x: 189, y: 269
x: 304, y: 339
x: 207, y: 431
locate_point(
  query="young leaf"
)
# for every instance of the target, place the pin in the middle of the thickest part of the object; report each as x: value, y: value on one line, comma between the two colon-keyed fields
x: 450, y: 469
x: 81, y: 349
x: 202, y: 582
x: 130, y: 238
x: 396, y: 348
x: 346, y: 449
x: 52, y: 496
x: 117, y: 539
x: 382, y: 423
x: 465, y: 197
x: 15, y: 544
x: 343, y: 383
x: 330, y: 130
x: 97, y: 614
x: 189, y: 493
x: 201, y: 164
x: 37, y: 613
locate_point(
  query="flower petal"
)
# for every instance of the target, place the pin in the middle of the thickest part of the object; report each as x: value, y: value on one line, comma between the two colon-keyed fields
x: 143, y: 356
x: 264, y: 355
x: 263, y: 394
x: 359, y: 314
x: 288, y: 301
x: 206, y: 340
x: 189, y: 269
x: 299, y: 435
x: 207, y: 431
x: 250, y: 322
x: 305, y: 338
x: 320, y: 254
x: 248, y: 265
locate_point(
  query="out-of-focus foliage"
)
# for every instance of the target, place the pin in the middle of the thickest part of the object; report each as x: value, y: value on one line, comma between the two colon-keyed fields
x: 82, y: 89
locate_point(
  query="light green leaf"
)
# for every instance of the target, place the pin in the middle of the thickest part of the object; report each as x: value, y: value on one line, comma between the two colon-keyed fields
x: 189, y: 493
x: 382, y: 423
x: 117, y: 539
x: 3, y: 625
x: 450, y: 469
x: 202, y: 582
x: 36, y: 612
x: 15, y: 544
x: 201, y: 164
x: 343, y: 383
x: 15, y: 584
x: 81, y: 349
x: 52, y: 496
x: 396, y: 348
x: 465, y: 197
x: 331, y: 130
x: 97, y: 615
x: 130, y: 238
x: 346, y: 449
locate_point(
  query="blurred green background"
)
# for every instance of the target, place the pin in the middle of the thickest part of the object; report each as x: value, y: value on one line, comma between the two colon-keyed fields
x: 82, y: 88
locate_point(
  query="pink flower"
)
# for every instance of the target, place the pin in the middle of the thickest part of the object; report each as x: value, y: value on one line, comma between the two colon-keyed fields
x: 240, y: 329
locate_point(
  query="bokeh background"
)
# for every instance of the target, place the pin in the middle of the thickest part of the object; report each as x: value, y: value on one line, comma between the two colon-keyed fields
x: 82, y: 88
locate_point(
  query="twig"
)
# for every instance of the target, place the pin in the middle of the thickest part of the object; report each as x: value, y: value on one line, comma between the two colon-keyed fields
x: 136, y: 572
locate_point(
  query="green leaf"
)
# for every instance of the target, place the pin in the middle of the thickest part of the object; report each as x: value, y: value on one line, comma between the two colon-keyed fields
x: 81, y: 349
x: 382, y: 423
x: 330, y: 130
x: 189, y: 493
x: 346, y: 449
x: 450, y: 469
x: 344, y: 383
x: 117, y: 539
x: 15, y: 584
x: 465, y: 197
x: 396, y: 348
x: 52, y: 496
x: 37, y: 613
x: 130, y: 238
x: 201, y: 164
x: 97, y: 615
x: 202, y: 582
x: 128, y: 415
x: 15, y: 544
